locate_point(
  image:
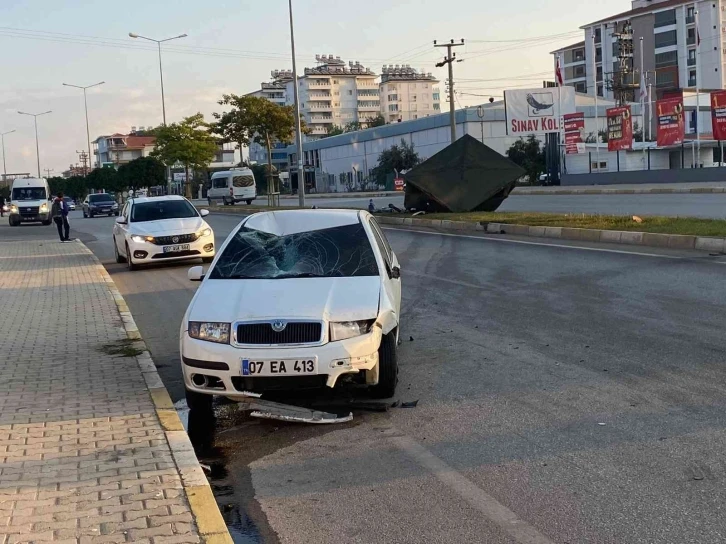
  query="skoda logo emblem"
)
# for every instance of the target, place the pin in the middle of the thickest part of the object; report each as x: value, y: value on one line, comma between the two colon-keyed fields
x: 175, y: 239
x: 279, y: 325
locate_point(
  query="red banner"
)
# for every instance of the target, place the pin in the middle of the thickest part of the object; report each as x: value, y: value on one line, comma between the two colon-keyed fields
x: 620, y: 128
x: 671, y: 124
x: 718, y: 114
x: 574, y: 132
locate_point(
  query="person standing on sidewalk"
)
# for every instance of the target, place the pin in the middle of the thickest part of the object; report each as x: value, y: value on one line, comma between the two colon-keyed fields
x: 59, y: 213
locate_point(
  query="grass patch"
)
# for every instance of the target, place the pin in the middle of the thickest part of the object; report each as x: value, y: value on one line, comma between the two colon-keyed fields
x: 122, y: 348
x: 665, y: 225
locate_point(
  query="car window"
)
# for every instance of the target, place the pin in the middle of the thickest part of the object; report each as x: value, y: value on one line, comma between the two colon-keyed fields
x: 382, y: 248
x: 335, y: 252
x: 103, y: 197
x: 158, y: 210
x: 125, y: 211
x: 219, y: 183
x: 28, y: 193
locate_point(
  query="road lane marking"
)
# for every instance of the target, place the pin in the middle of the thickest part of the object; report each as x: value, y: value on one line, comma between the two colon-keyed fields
x: 523, y: 242
x: 517, y: 528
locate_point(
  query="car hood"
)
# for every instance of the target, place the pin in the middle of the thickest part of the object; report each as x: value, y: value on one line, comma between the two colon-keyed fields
x: 329, y: 299
x: 187, y: 225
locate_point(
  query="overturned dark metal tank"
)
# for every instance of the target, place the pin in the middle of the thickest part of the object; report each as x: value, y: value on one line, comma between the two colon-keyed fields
x: 463, y: 177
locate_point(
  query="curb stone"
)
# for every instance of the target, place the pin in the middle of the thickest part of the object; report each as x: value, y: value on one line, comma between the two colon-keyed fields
x: 520, y: 191
x: 672, y: 241
x: 210, y: 524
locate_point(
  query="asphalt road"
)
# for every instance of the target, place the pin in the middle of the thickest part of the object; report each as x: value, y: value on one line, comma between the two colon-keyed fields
x: 566, y: 394
x: 684, y: 205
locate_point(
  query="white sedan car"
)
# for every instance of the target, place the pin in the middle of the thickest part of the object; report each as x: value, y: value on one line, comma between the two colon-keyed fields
x: 295, y: 299
x: 161, y: 229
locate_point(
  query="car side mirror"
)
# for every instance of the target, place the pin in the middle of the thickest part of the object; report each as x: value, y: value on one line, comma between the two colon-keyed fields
x: 121, y: 220
x: 395, y: 273
x: 204, y: 213
x: 195, y: 273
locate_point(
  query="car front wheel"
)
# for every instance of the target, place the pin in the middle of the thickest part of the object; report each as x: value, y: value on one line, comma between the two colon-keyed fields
x: 199, y: 402
x: 387, y: 368
x: 119, y: 258
x: 129, y: 260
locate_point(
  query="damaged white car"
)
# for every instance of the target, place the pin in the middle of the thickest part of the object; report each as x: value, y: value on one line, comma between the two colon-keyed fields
x: 295, y: 299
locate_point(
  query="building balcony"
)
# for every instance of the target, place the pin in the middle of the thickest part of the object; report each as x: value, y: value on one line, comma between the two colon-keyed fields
x: 319, y: 84
x: 320, y: 107
x: 371, y: 106
x: 320, y: 119
x: 318, y: 131
x: 320, y: 96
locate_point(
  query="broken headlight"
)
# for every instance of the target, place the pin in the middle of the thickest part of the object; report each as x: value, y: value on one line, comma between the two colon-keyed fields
x: 349, y: 329
x: 210, y: 332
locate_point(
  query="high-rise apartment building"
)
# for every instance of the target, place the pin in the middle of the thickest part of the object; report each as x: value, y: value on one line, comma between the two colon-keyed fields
x: 407, y: 94
x: 673, y: 49
x: 275, y: 91
x: 335, y: 93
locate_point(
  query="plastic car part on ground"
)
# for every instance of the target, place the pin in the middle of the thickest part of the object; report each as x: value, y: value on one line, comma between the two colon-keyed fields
x: 266, y: 409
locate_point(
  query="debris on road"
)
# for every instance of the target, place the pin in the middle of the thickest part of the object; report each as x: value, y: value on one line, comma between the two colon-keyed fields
x: 265, y: 409
x: 411, y: 404
x: 637, y: 219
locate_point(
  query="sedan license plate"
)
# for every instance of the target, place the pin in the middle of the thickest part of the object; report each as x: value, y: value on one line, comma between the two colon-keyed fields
x: 177, y: 248
x: 288, y: 367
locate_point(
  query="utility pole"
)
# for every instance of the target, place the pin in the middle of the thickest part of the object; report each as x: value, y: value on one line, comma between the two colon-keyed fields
x: 47, y: 171
x: 298, y: 124
x: 2, y: 140
x: 35, y: 120
x: 84, y: 158
x: 85, y: 105
x: 449, y: 59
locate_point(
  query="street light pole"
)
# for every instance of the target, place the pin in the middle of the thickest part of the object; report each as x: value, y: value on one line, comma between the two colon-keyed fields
x: 37, y: 146
x: 85, y: 105
x: 2, y: 140
x: 161, y: 78
x: 298, y: 128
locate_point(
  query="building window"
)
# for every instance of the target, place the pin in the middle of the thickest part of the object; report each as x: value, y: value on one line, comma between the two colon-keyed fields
x: 335, y: 82
x: 579, y: 55
x: 601, y: 167
x: 414, y: 107
x: 393, y: 107
x: 691, y: 57
x: 437, y: 107
x: 690, y: 15
x: 599, y: 90
x: 598, y: 54
x: 581, y: 87
x: 692, y: 78
x: 666, y: 39
x: 579, y: 71
x: 665, y: 18
x: 392, y: 97
x: 413, y: 98
x: 415, y: 116
x: 666, y: 59
x: 598, y: 35
x: 350, y: 93
x: 691, y: 36
x: 437, y: 96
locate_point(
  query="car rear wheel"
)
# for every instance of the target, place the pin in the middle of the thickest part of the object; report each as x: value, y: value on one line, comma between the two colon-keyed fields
x: 47, y: 222
x: 129, y: 260
x: 90, y: 214
x: 199, y: 402
x: 387, y: 368
x: 249, y: 202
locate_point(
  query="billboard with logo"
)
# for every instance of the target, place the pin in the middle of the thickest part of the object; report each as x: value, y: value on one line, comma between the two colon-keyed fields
x: 671, y: 124
x: 574, y: 133
x: 620, y: 128
x: 718, y: 114
x: 537, y: 111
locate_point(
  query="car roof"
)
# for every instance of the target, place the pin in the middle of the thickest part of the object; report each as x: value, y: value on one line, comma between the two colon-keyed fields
x: 284, y: 222
x: 143, y: 199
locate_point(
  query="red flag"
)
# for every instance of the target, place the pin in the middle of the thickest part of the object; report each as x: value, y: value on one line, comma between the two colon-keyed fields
x: 558, y: 73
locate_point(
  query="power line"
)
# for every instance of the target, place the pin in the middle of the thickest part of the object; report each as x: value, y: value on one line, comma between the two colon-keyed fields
x: 562, y: 34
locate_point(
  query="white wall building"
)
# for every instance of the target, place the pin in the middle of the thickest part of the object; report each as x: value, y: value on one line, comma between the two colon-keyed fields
x: 407, y: 94
x: 670, y: 46
x: 334, y: 93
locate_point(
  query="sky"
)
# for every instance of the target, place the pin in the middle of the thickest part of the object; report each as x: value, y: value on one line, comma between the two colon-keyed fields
x: 232, y: 46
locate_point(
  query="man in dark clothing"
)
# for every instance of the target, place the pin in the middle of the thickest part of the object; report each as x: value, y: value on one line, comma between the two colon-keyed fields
x: 59, y: 213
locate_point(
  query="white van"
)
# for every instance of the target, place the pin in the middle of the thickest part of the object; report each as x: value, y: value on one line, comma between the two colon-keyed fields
x: 30, y: 202
x: 232, y: 186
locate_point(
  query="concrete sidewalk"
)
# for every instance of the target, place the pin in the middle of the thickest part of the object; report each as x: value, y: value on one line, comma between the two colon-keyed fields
x: 87, y: 451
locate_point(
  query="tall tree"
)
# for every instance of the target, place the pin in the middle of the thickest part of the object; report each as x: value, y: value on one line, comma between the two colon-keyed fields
x: 142, y: 172
x: 395, y: 159
x: 106, y: 179
x: 188, y: 142
x: 529, y: 155
x: 256, y: 119
x: 334, y: 130
x: 375, y: 121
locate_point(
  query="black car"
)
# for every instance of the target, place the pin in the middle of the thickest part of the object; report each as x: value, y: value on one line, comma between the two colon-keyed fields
x: 100, y: 204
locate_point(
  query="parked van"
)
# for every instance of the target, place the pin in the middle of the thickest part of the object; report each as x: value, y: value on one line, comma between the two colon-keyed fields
x: 30, y: 202
x: 232, y: 186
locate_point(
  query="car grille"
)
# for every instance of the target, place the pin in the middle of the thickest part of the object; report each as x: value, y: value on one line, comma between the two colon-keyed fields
x: 28, y: 210
x: 294, y: 333
x: 171, y: 255
x: 279, y: 383
x: 175, y: 239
